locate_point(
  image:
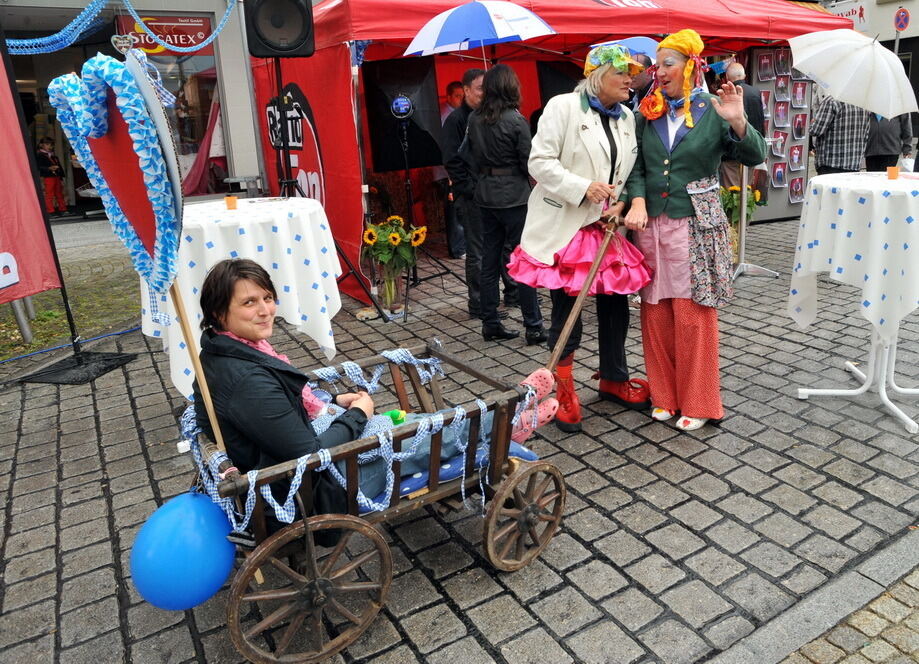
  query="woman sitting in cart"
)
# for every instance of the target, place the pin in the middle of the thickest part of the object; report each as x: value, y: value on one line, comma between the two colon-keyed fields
x: 265, y: 405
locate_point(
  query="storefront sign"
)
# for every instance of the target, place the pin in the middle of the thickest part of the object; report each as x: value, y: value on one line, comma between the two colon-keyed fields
x: 182, y: 31
x: 854, y: 10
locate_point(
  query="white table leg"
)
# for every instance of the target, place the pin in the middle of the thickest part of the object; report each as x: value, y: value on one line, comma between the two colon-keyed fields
x: 887, y: 364
x: 881, y: 361
x: 891, y: 379
x: 866, y: 378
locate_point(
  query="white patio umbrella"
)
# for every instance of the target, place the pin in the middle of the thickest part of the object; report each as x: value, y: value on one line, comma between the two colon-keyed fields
x: 479, y: 23
x: 855, y: 69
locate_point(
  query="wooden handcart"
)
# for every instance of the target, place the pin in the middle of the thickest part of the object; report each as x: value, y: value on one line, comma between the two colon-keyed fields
x: 292, y: 600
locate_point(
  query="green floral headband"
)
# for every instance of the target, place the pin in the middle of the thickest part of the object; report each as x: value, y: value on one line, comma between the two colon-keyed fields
x: 618, y: 57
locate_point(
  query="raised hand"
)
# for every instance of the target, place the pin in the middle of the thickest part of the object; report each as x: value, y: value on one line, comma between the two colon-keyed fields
x: 729, y: 104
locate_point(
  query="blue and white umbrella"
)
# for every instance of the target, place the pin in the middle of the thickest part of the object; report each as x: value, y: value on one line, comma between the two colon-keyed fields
x: 477, y: 24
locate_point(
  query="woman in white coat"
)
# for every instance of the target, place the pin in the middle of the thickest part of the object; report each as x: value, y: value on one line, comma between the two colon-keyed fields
x: 581, y: 156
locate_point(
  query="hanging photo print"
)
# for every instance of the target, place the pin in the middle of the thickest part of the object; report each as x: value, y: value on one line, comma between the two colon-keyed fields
x: 779, y: 139
x: 783, y: 61
x: 799, y: 126
x: 779, y: 174
x: 781, y: 114
x: 766, y: 126
x: 798, y: 76
x: 796, y: 191
x: 764, y: 96
x: 796, y: 158
x: 799, y: 94
x: 764, y: 68
x: 781, y: 87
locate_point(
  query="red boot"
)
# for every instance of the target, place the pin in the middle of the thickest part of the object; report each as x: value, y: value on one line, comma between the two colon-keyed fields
x: 634, y: 393
x: 568, y: 417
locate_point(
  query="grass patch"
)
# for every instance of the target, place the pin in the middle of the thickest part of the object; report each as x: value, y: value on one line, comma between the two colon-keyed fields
x: 104, y: 297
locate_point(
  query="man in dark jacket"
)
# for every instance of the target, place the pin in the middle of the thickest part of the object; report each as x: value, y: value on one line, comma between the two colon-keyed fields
x: 887, y: 140
x: 463, y: 181
x: 753, y: 107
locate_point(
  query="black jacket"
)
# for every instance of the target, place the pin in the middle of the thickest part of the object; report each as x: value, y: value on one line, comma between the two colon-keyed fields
x: 262, y: 419
x: 752, y: 106
x: 500, y: 153
x: 45, y: 162
x: 458, y: 164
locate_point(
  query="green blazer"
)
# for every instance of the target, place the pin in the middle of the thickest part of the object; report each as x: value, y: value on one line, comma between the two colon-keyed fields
x: 661, y: 175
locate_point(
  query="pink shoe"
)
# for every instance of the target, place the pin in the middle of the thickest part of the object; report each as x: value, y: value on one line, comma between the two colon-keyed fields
x: 545, y: 413
x: 542, y: 381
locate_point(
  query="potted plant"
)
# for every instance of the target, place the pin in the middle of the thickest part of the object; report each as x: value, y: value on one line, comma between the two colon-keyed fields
x: 391, y: 244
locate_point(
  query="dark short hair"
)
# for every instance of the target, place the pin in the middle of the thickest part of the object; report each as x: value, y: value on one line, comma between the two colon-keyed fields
x: 471, y: 75
x: 45, y: 139
x: 453, y: 85
x: 219, y: 284
x: 643, y: 59
x: 502, y: 92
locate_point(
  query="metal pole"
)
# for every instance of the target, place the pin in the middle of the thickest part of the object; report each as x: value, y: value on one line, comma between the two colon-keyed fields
x: 30, y: 306
x: 742, y: 266
x: 22, y: 320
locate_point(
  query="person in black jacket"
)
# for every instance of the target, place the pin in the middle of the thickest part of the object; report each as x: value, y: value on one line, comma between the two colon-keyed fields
x: 266, y: 408
x: 258, y: 396
x: 499, y: 137
x: 753, y: 107
x: 52, y: 175
x: 462, y: 184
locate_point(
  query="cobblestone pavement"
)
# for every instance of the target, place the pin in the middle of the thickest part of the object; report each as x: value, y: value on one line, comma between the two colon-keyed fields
x: 674, y: 547
x: 886, y: 630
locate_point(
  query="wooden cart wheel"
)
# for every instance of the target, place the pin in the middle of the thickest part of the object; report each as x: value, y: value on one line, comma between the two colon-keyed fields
x: 314, y: 601
x: 524, y: 515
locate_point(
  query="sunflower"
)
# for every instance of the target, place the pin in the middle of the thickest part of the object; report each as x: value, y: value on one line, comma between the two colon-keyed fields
x: 757, y: 195
x: 395, y: 219
x: 370, y: 236
x: 734, y: 188
x: 394, y: 239
x: 419, y: 235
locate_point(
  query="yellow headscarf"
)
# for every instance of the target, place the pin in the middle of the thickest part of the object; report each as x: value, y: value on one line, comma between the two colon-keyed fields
x: 689, y: 43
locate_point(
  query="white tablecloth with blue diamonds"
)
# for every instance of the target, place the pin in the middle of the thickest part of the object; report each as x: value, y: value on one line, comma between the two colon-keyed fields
x: 863, y: 229
x: 290, y: 238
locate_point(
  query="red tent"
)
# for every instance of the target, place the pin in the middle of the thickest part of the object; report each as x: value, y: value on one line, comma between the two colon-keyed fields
x: 328, y: 120
x: 725, y: 23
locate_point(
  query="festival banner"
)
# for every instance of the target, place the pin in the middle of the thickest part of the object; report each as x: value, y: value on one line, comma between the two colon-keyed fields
x: 181, y: 31
x: 26, y: 260
x: 322, y: 138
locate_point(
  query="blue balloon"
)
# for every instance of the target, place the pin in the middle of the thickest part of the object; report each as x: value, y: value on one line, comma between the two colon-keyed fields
x: 181, y: 556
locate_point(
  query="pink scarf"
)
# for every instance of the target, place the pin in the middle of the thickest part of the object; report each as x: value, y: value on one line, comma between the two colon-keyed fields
x: 311, y: 403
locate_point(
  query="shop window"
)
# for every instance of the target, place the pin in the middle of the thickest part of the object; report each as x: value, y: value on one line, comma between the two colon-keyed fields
x: 192, y: 78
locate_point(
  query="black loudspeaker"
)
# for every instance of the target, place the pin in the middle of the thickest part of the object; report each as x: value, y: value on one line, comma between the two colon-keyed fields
x: 384, y: 80
x: 280, y: 28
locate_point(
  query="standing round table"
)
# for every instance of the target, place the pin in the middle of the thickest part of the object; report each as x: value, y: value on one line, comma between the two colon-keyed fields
x: 289, y: 237
x: 862, y: 229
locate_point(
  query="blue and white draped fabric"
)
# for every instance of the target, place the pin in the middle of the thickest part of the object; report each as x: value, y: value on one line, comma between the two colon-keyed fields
x: 166, y: 98
x: 427, y: 367
x: 85, y: 22
x: 83, y: 113
x: 210, y: 473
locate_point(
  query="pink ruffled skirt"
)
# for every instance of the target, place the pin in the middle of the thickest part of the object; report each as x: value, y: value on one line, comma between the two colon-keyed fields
x: 622, y: 271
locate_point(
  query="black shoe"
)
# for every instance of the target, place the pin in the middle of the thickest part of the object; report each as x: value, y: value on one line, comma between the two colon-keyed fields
x: 511, y: 302
x: 498, y: 333
x: 536, y: 336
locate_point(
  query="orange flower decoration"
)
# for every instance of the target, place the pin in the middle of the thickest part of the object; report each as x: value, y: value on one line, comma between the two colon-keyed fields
x: 653, y: 105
